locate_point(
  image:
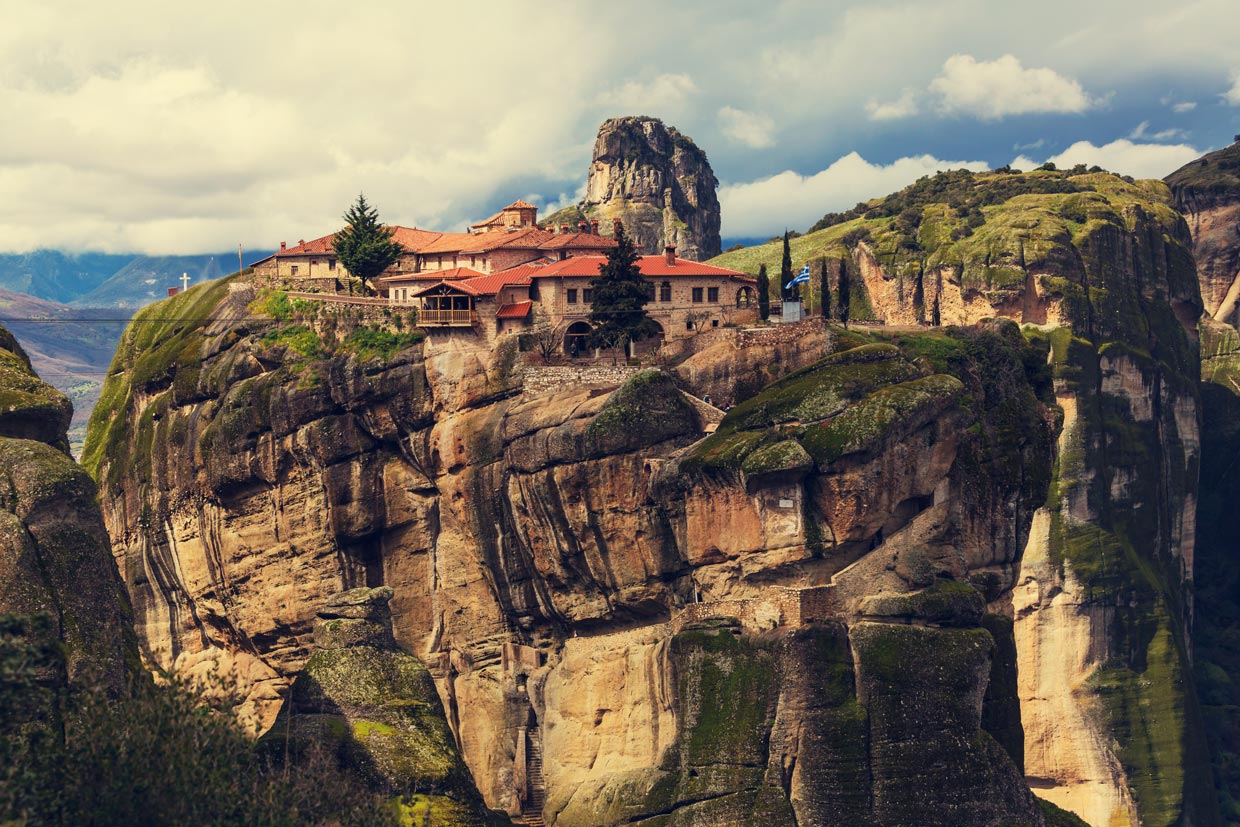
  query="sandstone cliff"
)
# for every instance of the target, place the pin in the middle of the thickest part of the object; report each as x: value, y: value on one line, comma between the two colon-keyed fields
x: 657, y: 182
x: 1102, y: 271
x: 59, y: 592
x: 601, y: 596
x: 1207, y: 192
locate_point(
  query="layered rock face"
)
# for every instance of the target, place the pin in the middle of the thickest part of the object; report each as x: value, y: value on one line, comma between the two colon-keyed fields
x: 376, y: 707
x: 1207, y: 192
x: 1103, y: 271
x: 59, y: 592
x: 657, y: 182
x: 799, y: 619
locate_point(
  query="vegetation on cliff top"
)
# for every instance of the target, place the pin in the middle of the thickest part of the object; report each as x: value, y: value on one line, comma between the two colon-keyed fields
x: 1216, y: 172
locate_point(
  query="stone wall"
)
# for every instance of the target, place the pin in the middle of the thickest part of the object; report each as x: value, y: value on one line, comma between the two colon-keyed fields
x: 778, y: 334
x: 540, y: 380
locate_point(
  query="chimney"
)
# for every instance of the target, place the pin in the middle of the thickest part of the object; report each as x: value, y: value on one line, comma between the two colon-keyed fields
x: 594, y: 227
x: 563, y: 229
x: 582, y: 226
x: 301, y: 243
x: 669, y: 255
x: 283, y: 246
x: 617, y: 226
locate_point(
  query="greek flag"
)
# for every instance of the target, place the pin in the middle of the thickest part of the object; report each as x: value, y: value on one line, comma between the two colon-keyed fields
x: 799, y: 278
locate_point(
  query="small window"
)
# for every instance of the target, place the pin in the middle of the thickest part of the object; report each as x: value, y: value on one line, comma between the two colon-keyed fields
x: 331, y: 264
x: 650, y: 291
x: 294, y: 271
x: 587, y: 295
x: 697, y: 294
x: 688, y: 325
x: 712, y: 295
x: 313, y: 261
x: 572, y: 295
x: 714, y: 322
x: 665, y: 291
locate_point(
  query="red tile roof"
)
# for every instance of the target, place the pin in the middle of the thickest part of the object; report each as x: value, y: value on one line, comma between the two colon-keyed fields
x: 462, y: 285
x: 493, y: 283
x: 451, y: 274
x: 585, y: 241
x: 495, y: 219
x: 411, y: 238
x: 652, y: 266
x: 520, y: 204
x: 514, y: 311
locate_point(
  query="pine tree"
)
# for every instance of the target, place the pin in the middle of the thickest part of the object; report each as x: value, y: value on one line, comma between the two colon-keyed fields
x: 845, y: 292
x: 365, y: 247
x: 764, y: 293
x: 824, y: 290
x: 618, y: 312
x: 785, y: 271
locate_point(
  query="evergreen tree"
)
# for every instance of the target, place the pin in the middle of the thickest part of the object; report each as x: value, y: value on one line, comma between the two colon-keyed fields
x: 764, y: 293
x: 365, y: 247
x: 824, y: 290
x: 618, y: 312
x: 844, y: 291
x: 785, y: 271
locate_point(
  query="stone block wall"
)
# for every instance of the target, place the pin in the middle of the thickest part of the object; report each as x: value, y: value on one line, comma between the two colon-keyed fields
x: 546, y: 379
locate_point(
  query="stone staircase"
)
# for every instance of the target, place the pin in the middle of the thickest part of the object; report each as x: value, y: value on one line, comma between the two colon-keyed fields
x: 536, y: 788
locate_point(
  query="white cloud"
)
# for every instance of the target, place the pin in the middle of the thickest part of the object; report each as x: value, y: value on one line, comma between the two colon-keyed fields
x: 1183, y: 106
x: 901, y: 107
x: 761, y: 207
x: 993, y: 89
x: 664, y: 94
x: 1142, y: 133
x: 1123, y: 157
x: 1232, y: 95
x: 752, y: 129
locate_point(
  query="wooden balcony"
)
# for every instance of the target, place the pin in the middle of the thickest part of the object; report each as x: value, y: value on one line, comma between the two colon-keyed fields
x: 447, y: 318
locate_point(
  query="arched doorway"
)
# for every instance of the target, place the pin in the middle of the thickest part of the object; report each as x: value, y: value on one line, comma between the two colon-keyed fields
x: 745, y: 297
x: 575, y: 340
x: 650, y: 343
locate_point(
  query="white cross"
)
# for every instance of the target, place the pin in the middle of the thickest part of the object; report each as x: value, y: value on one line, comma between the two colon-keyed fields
x: 184, y: 282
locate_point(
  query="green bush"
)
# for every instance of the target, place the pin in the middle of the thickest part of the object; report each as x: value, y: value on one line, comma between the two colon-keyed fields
x: 375, y: 343
x: 158, y: 756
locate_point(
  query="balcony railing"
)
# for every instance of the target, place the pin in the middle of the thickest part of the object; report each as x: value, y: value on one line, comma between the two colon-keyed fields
x: 447, y: 318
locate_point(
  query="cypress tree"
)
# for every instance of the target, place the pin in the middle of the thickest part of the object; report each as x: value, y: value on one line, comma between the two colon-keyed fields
x: 365, y: 247
x: 824, y: 290
x: 618, y: 311
x: 764, y: 293
x: 845, y: 292
x: 785, y: 271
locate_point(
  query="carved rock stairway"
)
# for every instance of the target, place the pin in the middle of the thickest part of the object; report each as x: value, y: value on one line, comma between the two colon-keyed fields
x: 536, y: 789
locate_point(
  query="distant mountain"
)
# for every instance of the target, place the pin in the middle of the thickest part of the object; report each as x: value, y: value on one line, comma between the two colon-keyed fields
x: 71, y: 347
x: 145, y: 279
x: 55, y: 275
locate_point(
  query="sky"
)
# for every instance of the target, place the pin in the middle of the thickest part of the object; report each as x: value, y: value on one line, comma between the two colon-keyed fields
x: 163, y: 128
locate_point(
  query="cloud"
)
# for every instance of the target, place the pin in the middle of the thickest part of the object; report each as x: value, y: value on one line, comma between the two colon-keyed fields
x: 1183, y: 106
x: 660, y: 95
x: 1123, y: 157
x: 1232, y: 95
x: 1038, y: 144
x: 901, y: 107
x: 997, y: 88
x: 761, y: 207
x: 1142, y: 133
x: 752, y: 129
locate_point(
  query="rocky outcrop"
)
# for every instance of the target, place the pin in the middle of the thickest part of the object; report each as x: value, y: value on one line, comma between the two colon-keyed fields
x: 940, y: 526
x: 1103, y: 268
x: 1207, y: 192
x: 376, y: 709
x: 59, y: 592
x: 657, y: 182
x: 570, y: 566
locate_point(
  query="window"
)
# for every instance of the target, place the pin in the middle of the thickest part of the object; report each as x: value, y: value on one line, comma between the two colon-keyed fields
x: 712, y: 295
x: 689, y: 324
x: 697, y: 294
x: 665, y: 291
x: 331, y: 264
x: 650, y: 291
x: 294, y: 269
x: 714, y: 322
x: 587, y: 295
x: 572, y: 295
x: 313, y: 261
